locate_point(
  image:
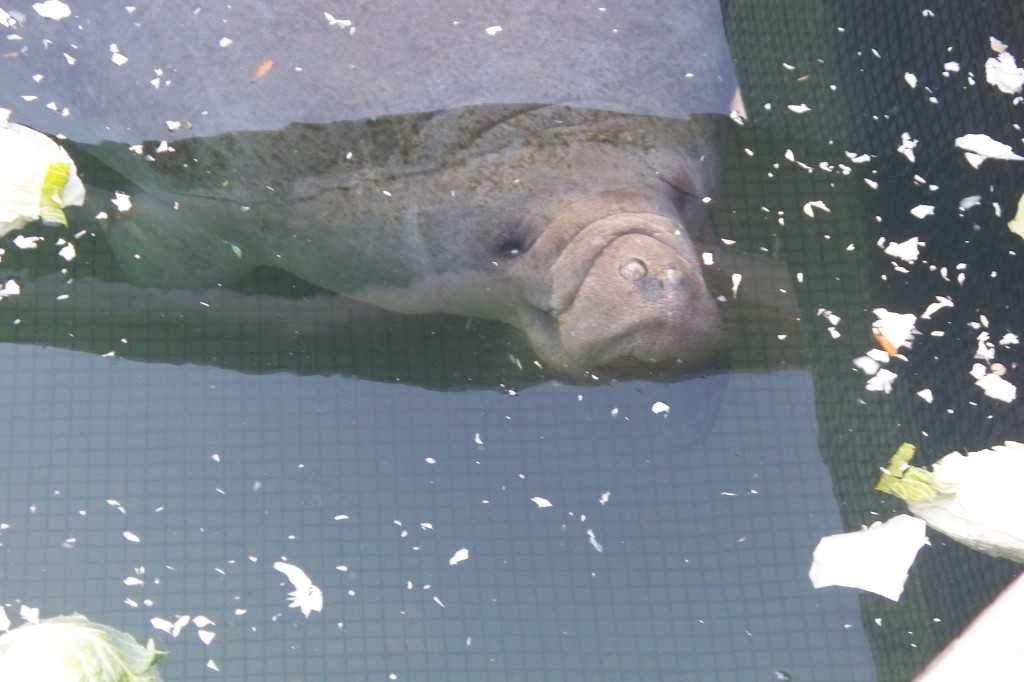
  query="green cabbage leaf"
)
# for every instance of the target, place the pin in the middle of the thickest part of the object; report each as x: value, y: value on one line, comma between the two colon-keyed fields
x: 74, y: 649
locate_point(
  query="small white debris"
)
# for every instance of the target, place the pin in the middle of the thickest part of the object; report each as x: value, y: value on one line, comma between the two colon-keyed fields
x: 225, y: 42
x: 10, y: 288
x: 29, y: 613
x: 1016, y: 225
x: 907, y: 251
x: 922, y: 211
x: 951, y: 67
x: 897, y: 328
x: 340, y: 23
x: 477, y: 439
x: 811, y: 205
x: 907, y: 146
x: 605, y: 496
x: 492, y: 30
x: 52, y: 9
x: 878, y: 355
x: 133, y: 581
x: 708, y: 258
x: 593, y: 541
x: 161, y: 624
x: 122, y: 201
x: 459, y: 556
x: 978, y: 148
x: 736, y: 279
x: 1002, y: 71
x: 173, y: 629
x: 541, y: 502
x: 67, y: 252
x: 858, y: 158
x: 799, y: 108
x: 882, y: 381
x: 829, y: 316
x: 116, y: 56
x: 130, y: 536
x: 993, y: 385
x: 940, y: 303
x: 306, y: 596
x: 25, y: 243
x: 911, y: 79
x: 867, y: 364
x: 660, y: 408
x: 205, y: 636
x: 876, y: 559
x: 926, y: 395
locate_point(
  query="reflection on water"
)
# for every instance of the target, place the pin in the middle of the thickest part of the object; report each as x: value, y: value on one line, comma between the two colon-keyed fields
x: 676, y: 545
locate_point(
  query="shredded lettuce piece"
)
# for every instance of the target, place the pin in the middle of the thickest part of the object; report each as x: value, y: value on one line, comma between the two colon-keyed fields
x: 38, y: 178
x: 974, y: 498
x: 911, y: 483
x: 51, y: 197
x: 74, y: 649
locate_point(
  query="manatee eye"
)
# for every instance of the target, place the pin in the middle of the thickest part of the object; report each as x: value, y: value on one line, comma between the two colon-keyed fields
x: 633, y: 269
x: 512, y: 246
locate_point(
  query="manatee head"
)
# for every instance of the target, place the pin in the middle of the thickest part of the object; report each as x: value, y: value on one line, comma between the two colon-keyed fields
x: 626, y: 289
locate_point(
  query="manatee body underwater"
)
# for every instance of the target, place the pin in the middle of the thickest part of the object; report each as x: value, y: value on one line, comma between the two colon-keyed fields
x: 545, y: 166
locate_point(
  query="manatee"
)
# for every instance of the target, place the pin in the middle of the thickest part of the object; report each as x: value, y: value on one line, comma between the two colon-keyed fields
x: 542, y: 166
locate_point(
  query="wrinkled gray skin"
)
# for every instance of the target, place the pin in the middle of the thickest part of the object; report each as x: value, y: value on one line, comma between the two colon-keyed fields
x: 582, y: 227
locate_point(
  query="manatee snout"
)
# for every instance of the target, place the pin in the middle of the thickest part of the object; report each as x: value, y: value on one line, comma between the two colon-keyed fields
x: 628, y: 291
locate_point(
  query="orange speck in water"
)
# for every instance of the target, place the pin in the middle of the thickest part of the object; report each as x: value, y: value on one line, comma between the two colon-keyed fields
x: 265, y: 66
x: 886, y: 345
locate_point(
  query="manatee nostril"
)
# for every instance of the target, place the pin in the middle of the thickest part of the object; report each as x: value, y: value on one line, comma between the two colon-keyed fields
x: 633, y: 269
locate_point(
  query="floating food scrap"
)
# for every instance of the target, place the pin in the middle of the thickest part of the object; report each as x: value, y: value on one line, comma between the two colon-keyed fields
x: 263, y: 69
x: 1017, y: 224
x: 52, y: 9
x: 660, y: 407
x: 73, y: 648
x: 979, y: 148
x: 896, y: 328
x: 306, y: 596
x: 37, y: 178
x: 1002, y: 70
x: 974, y: 498
x: 876, y: 559
x: 907, y: 251
x: 988, y: 379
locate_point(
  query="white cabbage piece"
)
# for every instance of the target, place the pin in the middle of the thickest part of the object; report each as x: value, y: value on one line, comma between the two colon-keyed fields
x: 74, y: 649
x: 37, y: 178
x: 974, y: 498
x: 876, y: 559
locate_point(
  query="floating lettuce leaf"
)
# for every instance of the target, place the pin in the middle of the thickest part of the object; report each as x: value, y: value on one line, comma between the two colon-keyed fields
x: 974, y: 498
x: 908, y: 482
x: 73, y: 649
x: 37, y: 178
